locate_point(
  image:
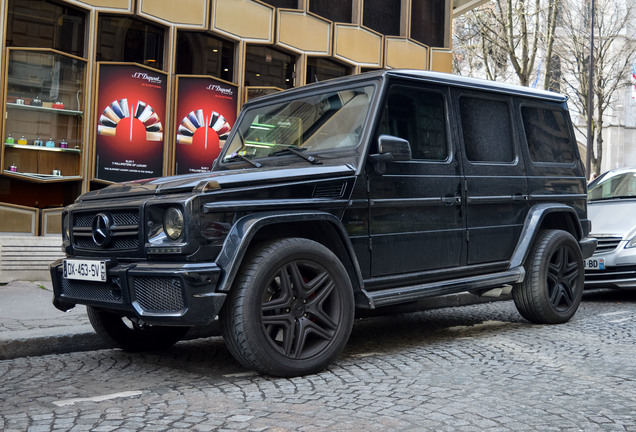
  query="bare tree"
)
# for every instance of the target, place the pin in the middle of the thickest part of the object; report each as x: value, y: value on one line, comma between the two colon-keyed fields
x: 506, y: 36
x: 614, y: 50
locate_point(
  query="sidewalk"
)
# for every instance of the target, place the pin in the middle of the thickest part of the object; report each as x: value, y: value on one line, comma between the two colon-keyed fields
x: 31, y: 326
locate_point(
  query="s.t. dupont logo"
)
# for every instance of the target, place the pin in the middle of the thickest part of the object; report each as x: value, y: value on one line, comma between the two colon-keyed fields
x: 222, y: 90
x: 144, y: 76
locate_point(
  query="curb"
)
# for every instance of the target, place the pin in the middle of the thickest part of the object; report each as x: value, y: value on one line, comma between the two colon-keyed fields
x: 68, y: 339
x: 73, y: 339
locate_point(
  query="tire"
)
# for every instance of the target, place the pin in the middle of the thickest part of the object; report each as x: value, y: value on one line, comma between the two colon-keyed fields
x: 130, y: 336
x: 552, y: 289
x: 291, y: 309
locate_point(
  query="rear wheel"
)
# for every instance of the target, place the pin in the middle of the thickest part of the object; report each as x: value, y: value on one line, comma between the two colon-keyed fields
x: 291, y: 309
x: 129, y: 335
x: 552, y: 289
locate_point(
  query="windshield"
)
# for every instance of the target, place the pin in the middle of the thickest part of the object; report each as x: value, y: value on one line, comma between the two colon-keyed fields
x: 319, y: 123
x: 613, y: 185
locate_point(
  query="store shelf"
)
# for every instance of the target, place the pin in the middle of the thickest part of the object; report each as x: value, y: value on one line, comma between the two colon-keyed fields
x: 41, y: 177
x: 39, y: 148
x: 54, y: 77
x: 45, y: 109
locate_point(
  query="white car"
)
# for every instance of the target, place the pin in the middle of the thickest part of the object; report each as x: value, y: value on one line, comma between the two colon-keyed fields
x: 612, y: 210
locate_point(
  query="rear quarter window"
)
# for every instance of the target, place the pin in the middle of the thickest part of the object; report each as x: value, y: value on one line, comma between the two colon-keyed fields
x: 548, y: 135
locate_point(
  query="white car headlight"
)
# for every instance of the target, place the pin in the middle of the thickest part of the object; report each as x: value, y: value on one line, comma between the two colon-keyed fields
x: 631, y: 243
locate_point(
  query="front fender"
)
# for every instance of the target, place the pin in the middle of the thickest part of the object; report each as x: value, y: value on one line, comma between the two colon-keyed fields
x: 535, y: 221
x: 245, y: 229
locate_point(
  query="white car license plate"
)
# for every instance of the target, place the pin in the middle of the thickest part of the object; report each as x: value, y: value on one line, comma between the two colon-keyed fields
x: 594, y: 264
x: 87, y: 270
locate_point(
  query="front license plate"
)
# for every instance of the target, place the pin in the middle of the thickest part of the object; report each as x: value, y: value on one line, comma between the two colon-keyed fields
x: 88, y: 270
x: 594, y: 264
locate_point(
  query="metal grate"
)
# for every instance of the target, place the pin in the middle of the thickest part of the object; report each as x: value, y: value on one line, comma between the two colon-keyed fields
x: 124, y: 229
x: 607, y: 244
x: 333, y: 190
x: 93, y: 291
x: 159, y: 294
x: 119, y: 217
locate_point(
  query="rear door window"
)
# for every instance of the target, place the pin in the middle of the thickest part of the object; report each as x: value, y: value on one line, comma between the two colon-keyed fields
x: 486, y: 129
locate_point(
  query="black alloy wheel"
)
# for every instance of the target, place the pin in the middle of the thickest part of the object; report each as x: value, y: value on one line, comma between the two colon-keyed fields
x: 291, y: 311
x: 552, y: 289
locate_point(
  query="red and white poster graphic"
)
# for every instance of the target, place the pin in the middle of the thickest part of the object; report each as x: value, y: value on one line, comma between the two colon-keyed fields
x: 206, y: 112
x: 131, y: 106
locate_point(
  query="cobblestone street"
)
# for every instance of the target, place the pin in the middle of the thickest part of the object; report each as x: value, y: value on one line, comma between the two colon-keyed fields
x: 470, y: 368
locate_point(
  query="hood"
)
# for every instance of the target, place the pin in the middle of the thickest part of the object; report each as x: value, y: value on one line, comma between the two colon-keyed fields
x: 217, y: 180
x: 615, y: 217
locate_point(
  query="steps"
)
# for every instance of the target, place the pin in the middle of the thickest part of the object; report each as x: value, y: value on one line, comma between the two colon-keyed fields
x: 28, y: 257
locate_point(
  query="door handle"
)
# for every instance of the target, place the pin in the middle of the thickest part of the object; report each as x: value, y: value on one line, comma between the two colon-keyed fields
x: 518, y: 197
x: 451, y: 200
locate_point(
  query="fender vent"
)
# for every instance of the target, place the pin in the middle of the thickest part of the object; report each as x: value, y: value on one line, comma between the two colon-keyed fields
x: 329, y: 190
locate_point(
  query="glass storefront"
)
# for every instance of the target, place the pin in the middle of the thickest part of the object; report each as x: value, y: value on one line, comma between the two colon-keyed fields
x: 45, y: 24
x: 269, y: 67
x: 203, y: 54
x: 320, y: 69
x: 124, y: 39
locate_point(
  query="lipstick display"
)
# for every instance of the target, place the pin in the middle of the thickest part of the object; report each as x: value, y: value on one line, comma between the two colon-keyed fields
x: 119, y: 109
x: 219, y: 125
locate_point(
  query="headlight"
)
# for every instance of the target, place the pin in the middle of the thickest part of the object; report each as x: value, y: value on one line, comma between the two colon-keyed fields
x: 66, y: 228
x: 631, y: 243
x: 173, y: 223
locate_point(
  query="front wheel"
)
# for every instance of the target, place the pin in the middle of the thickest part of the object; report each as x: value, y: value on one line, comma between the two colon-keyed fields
x: 552, y: 289
x: 290, y: 311
x: 129, y: 335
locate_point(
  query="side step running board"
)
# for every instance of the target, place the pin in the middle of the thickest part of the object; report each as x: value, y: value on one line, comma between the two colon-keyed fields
x: 392, y: 296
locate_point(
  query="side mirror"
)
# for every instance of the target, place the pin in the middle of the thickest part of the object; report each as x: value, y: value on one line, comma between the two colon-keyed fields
x: 390, y: 149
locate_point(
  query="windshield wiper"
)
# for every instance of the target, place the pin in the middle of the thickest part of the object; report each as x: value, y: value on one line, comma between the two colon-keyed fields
x: 236, y: 156
x: 298, y: 152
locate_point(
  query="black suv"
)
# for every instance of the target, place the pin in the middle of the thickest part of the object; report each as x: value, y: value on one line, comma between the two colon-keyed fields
x: 357, y: 193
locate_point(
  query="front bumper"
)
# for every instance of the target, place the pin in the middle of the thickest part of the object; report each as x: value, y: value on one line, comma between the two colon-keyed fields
x: 588, y: 245
x: 623, y: 277
x: 158, y: 293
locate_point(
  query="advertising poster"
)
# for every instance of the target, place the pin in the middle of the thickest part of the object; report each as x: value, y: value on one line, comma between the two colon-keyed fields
x: 206, y: 111
x: 131, y: 111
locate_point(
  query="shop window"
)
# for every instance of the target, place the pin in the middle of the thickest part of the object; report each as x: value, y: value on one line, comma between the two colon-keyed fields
x: 267, y: 67
x: 334, y: 10
x: 428, y: 22
x: 203, y: 54
x: 287, y: 4
x: 122, y: 39
x: 382, y: 16
x: 320, y: 69
x: 43, y: 24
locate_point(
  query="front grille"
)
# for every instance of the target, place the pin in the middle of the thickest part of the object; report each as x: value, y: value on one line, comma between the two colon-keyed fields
x: 109, y: 292
x: 607, y: 244
x: 124, y: 230
x: 159, y: 295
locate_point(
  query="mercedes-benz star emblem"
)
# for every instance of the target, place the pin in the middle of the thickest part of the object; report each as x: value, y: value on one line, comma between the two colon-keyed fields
x: 101, y: 229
